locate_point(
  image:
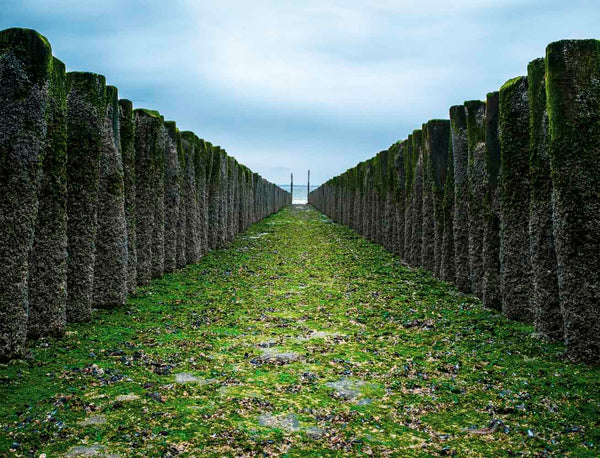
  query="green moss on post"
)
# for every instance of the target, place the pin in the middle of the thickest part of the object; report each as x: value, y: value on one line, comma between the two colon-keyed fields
x: 48, y: 259
x: 436, y: 138
x: 127, y: 126
x: 149, y: 160
x: 368, y: 209
x: 202, y: 160
x: 491, y: 206
x: 231, y: 191
x: 190, y: 199
x: 476, y: 175
x: 181, y: 255
x: 460, y: 151
x: 400, y: 197
x: 408, y: 214
x: 172, y: 197
x: 573, y: 90
x: 515, y: 266
x: 86, y: 111
x: 448, y: 267
x: 110, y: 265
x: 545, y: 300
x: 25, y: 74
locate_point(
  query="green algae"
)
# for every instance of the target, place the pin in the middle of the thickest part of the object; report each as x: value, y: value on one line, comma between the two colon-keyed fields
x: 427, y: 361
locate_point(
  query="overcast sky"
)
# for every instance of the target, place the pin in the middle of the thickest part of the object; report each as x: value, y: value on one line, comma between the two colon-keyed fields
x: 285, y: 85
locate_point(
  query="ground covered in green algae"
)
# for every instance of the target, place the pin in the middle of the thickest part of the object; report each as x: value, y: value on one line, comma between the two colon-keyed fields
x: 301, y: 339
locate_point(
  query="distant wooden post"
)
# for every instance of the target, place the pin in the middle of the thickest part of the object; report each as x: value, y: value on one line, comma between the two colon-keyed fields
x: 308, y: 186
x: 292, y: 186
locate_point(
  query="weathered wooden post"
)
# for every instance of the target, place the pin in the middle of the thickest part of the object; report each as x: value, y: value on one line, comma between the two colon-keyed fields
x: 110, y: 264
x: 25, y: 71
x: 545, y: 301
x: 476, y: 179
x: 573, y: 75
x: 460, y: 151
x: 149, y: 160
x: 127, y: 126
x: 436, y: 140
x: 491, y: 206
x: 47, y: 282
x: 172, y: 196
x: 515, y: 266
x: 86, y: 111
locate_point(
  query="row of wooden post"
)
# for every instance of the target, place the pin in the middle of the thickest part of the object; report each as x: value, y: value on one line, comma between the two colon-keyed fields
x: 97, y: 198
x: 503, y: 199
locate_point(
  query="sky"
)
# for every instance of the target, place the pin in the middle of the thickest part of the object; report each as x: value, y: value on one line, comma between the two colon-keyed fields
x: 290, y: 85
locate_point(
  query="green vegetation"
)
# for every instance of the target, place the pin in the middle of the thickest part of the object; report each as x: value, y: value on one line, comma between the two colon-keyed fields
x: 302, y: 338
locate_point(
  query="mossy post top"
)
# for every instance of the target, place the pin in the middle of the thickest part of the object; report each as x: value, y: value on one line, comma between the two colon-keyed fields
x: 575, y: 61
x: 148, y: 113
x: 512, y: 84
x: 126, y: 105
x: 58, y: 67
x: 171, y: 127
x: 90, y: 86
x: 458, y: 117
x: 31, y: 48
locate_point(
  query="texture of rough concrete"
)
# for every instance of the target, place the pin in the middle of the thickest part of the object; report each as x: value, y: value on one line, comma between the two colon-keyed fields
x: 25, y: 73
x: 437, y: 145
x: 400, y: 198
x: 476, y: 175
x: 573, y: 88
x: 460, y: 155
x: 127, y: 126
x: 47, y: 282
x: 181, y: 253
x: 447, y: 262
x: 491, y: 207
x: 545, y: 301
x: 86, y: 112
x: 515, y: 266
x: 110, y: 264
x: 149, y: 157
x: 190, y: 200
x: 172, y: 196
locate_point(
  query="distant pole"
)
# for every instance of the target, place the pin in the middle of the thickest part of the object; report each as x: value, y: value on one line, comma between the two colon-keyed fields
x: 308, y: 187
x: 292, y: 186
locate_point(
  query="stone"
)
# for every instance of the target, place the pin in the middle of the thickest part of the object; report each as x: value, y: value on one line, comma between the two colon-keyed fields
x: 274, y: 356
x: 314, y: 432
x: 287, y: 422
x: 94, y: 420
x: 184, y: 377
x: 127, y: 397
x: 346, y: 388
x: 84, y: 450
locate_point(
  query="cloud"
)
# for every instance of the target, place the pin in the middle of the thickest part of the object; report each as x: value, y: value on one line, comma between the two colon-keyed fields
x: 287, y: 85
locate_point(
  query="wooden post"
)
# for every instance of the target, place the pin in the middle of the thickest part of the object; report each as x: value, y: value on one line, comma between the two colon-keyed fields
x: 292, y: 186
x: 308, y: 186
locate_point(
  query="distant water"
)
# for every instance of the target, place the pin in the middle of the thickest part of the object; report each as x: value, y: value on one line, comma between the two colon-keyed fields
x: 300, y: 196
